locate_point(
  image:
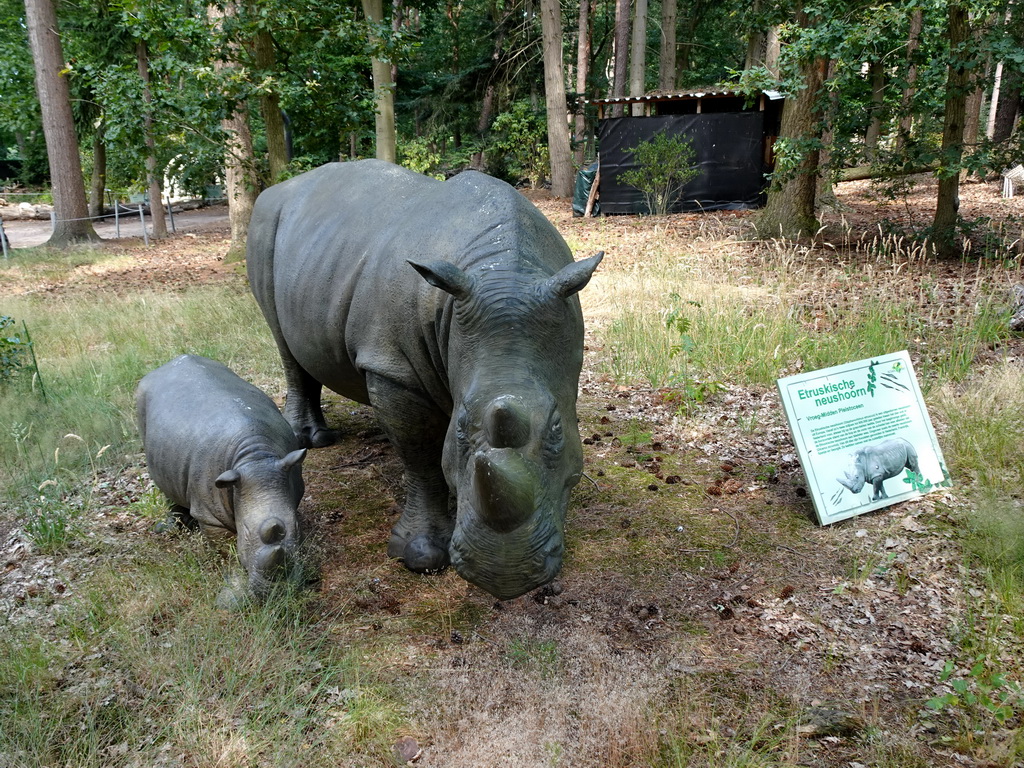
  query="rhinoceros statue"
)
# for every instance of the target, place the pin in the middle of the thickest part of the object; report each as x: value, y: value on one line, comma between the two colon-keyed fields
x: 875, y: 463
x: 223, y: 454
x: 450, y: 308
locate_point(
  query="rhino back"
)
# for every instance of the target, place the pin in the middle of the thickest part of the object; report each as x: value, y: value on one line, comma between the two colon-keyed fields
x: 337, y: 264
x: 198, y: 419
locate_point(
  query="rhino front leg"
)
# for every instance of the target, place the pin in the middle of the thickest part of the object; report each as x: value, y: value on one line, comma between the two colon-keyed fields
x: 416, y: 429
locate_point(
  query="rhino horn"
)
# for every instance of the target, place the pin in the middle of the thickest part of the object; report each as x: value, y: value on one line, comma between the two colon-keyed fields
x: 507, y: 423
x: 846, y: 482
x: 505, y: 490
x: 574, y: 277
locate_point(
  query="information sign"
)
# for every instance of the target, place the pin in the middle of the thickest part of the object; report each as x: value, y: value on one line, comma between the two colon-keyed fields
x: 863, y: 436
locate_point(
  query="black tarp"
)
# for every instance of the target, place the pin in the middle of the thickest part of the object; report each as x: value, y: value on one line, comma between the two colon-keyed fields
x: 729, y: 148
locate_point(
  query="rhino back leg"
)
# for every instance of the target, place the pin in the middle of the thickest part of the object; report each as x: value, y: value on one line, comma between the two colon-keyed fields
x: 302, y: 404
x: 416, y: 428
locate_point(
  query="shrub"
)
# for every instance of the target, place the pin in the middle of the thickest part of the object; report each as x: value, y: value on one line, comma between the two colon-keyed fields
x: 664, y: 165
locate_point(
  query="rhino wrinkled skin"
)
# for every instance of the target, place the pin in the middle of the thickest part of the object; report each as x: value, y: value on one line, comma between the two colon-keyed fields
x: 224, y: 455
x: 873, y: 464
x: 450, y: 308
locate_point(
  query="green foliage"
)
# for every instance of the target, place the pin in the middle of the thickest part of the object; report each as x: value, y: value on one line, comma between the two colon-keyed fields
x: 981, y: 689
x: 13, y: 350
x: 52, y: 524
x: 664, y: 165
x: 519, y: 147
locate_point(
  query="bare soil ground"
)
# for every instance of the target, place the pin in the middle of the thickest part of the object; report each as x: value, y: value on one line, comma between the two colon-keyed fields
x: 695, y: 581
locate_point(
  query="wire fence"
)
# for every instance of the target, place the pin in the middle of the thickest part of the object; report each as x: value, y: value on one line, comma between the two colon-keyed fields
x: 120, y: 211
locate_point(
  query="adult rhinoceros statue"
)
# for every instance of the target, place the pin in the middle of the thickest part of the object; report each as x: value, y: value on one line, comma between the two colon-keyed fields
x: 450, y: 308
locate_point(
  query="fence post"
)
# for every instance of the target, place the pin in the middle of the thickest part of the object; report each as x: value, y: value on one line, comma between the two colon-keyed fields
x: 117, y: 219
x: 3, y: 240
x: 170, y: 215
x: 142, y: 218
x: 53, y: 222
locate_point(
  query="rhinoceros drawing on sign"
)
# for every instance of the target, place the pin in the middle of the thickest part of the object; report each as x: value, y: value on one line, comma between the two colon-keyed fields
x: 450, y: 308
x: 873, y: 464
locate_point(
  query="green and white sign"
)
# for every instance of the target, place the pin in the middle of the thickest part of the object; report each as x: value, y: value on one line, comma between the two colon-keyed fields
x: 863, y: 436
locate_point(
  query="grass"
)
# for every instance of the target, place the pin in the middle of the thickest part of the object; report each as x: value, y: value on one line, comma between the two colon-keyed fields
x: 93, y: 350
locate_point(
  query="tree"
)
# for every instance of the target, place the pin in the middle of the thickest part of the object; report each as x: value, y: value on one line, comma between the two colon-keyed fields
x: 947, y: 204
x: 156, y: 207
x: 667, y: 55
x: 554, y: 93
x: 621, y: 52
x: 383, y: 88
x: 582, y: 70
x: 240, y: 178
x: 790, y: 209
x: 638, y: 54
x: 71, y: 211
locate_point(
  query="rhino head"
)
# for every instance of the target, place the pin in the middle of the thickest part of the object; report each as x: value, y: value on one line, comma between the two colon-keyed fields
x: 265, y: 494
x: 853, y: 477
x: 512, y: 452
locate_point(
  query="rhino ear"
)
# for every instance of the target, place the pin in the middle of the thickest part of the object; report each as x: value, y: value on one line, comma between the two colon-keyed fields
x: 446, y: 276
x: 574, y: 277
x: 292, y: 459
x: 231, y: 477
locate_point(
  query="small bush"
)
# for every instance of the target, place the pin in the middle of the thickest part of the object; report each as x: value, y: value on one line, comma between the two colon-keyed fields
x: 664, y: 165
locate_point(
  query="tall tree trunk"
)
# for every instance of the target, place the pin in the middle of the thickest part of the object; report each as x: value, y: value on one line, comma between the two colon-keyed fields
x: 638, y: 54
x: 874, y: 131
x: 156, y: 207
x: 270, y: 108
x: 947, y: 204
x: 69, y: 205
x: 98, y: 184
x: 667, y: 55
x: 621, y: 43
x: 383, y: 90
x: 790, y: 210
x: 582, y: 72
x: 554, y: 96
x: 1007, y: 107
x: 907, y: 101
x: 240, y: 179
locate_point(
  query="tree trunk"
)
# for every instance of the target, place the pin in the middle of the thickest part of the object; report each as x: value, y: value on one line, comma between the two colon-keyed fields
x: 582, y: 72
x: 156, y: 208
x: 790, y: 210
x: 1007, y: 107
x: 383, y: 90
x: 874, y: 131
x: 947, y: 204
x: 270, y: 109
x: 240, y: 179
x: 554, y: 96
x: 71, y: 211
x: 667, y: 57
x: 98, y: 184
x: 638, y: 54
x: 621, y: 54
x: 907, y: 102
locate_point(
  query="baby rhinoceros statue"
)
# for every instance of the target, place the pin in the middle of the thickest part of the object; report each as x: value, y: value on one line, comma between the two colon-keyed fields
x: 450, y: 308
x: 226, y: 458
x: 873, y: 464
